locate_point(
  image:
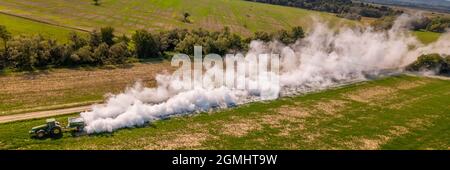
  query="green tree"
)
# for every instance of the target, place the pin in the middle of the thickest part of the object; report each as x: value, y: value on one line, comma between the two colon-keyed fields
x: 76, y: 41
x: 107, y: 34
x: 95, y: 38
x: 124, y: 39
x: 82, y: 56
x: 96, y: 2
x: 186, y: 16
x: 5, y: 36
x: 145, y: 44
x: 284, y: 37
x: 427, y: 62
x: 101, y: 54
x: 119, y: 53
x: 186, y: 46
x: 23, y: 54
x: 263, y: 36
x: 297, y: 33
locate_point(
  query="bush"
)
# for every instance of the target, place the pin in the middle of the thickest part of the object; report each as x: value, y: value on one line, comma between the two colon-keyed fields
x: 263, y: 36
x: 26, y: 53
x: 76, y: 42
x: 107, y: 34
x: 101, y: 55
x: 82, y: 56
x: 439, y: 24
x: 22, y: 53
x: 60, y: 55
x: 186, y: 46
x: 219, y: 42
x: 433, y: 62
x: 95, y: 38
x: 119, y: 53
x: 146, y: 45
x: 170, y: 39
x: 289, y: 37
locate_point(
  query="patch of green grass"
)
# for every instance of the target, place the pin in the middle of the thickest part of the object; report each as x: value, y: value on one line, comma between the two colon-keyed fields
x: 426, y: 37
x: 399, y: 112
x: 21, y: 26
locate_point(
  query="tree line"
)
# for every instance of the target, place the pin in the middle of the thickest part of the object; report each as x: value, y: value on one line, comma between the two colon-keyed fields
x: 103, y: 47
x: 343, y: 8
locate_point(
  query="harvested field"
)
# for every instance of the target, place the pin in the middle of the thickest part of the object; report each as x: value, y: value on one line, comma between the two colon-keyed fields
x: 62, y: 88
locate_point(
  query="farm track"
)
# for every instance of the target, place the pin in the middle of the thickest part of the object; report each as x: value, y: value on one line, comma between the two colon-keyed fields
x: 42, y: 114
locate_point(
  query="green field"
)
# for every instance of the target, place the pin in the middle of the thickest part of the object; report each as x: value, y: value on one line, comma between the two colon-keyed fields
x: 126, y: 16
x: 426, y: 36
x: 21, y: 26
x: 400, y: 112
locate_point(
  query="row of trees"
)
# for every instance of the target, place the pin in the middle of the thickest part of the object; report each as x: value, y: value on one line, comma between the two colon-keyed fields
x: 344, y: 8
x: 27, y: 53
x: 104, y: 48
x: 435, y: 24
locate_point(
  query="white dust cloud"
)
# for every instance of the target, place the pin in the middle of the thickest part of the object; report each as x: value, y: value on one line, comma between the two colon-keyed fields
x: 324, y: 58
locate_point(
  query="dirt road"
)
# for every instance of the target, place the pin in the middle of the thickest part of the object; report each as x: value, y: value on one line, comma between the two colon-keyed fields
x: 41, y: 114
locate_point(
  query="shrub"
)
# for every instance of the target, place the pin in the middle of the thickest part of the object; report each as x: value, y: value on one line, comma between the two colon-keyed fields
x: 432, y: 62
x: 95, y: 38
x: 23, y: 54
x: 119, y: 53
x: 82, y: 56
x: 263, y: 36
x: 101, y: 55
x: 146, y: 45
x: 107, y: 34
x: 76, y: 42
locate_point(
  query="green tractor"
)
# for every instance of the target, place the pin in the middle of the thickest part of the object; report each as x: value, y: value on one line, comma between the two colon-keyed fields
x: 52, y: 129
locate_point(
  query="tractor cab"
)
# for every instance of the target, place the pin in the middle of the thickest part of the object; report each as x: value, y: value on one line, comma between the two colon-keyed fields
x: 52, y: 122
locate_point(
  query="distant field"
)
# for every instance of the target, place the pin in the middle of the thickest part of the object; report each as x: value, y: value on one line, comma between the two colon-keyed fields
x: 399, y: 112
x: 241, y: 16
x: 20, y: 26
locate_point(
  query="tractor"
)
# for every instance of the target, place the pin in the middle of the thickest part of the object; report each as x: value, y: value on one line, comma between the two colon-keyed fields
x: 53, y: 128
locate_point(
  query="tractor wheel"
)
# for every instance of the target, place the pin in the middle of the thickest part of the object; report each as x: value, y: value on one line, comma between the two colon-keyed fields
x: 56, y: 132
x: 40, y: 134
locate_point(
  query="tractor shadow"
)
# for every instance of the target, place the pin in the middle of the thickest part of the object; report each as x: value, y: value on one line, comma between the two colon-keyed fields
x: 47, y: 137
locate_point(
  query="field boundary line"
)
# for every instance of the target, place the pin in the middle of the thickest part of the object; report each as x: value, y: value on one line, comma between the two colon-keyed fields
x: 45, y: 22
x: 43, y: 114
